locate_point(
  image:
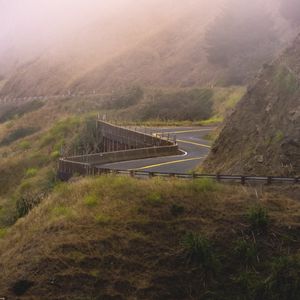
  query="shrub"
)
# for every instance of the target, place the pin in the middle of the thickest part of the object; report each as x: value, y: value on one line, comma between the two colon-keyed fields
x: 55, y: 154
x: 124, y: 98
x: 177, y: 210
x: 198, y: 250
x: 31, y: 172
x: 101, y: 219
x: 247, y: 282
x: 154, y: 198
x: 61, y: 211
x: 60, y: 131
x: 3, y: 232
x: 19, y: 111
x: 26, y: 203
x: 204, y: 185
x: 91, y: 200
x: 18, y: 134
x: 284, y: 280
x: 245, y: 251
x: 191, y: 105
x: 258, y: 218
x: 24, y: 145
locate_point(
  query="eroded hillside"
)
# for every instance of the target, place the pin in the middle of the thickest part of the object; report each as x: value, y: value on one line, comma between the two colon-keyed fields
x: 262, y: 136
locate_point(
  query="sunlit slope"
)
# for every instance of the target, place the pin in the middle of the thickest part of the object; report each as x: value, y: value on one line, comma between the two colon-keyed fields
x: 162, y: 48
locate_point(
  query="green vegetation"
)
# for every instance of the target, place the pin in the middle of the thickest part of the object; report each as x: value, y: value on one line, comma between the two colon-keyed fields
x: 24, y: 145
x: 258, y: 218
x: 19, y: 111
x: 198, y: 242
x: 285, y: 81
x: 283, y: 282
x: 58, y: 133
x: 3, y: 232
x: 246, y: 251
x: 190, y: 105
x: 200, y: 252
x: 91, y: 200
x: 178, y: 107
x: 124, y: 98
x: 18, y: 134
x: 31, y: 172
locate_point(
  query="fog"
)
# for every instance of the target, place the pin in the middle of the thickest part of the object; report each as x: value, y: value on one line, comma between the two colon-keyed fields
x: 30, y: 27
x: 92, y: 31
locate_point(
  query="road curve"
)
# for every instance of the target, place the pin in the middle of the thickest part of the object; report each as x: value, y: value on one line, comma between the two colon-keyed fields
x: 190, y: 140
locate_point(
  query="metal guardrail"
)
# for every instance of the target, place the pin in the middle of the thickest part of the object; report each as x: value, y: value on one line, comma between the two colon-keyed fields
x: 96, y: 171
x: 8, y: 99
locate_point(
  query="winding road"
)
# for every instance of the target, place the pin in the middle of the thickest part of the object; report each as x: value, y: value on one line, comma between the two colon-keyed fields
x: 190, y: 140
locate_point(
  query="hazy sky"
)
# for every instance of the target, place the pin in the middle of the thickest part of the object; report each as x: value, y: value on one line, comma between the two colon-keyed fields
x: 27, y: 26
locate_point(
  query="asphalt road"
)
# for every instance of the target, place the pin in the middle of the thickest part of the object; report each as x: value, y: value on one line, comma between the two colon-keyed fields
x: 190, y: 140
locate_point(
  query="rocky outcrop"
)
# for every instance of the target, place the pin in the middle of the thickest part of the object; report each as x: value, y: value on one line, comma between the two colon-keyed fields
x: 262, y: 136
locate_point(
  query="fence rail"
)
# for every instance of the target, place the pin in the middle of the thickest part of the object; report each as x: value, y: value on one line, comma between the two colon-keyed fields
x: 96, y: 171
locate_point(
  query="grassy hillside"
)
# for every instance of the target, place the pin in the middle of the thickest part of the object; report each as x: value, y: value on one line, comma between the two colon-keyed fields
x: 120, y: 238
x: 33, y: 135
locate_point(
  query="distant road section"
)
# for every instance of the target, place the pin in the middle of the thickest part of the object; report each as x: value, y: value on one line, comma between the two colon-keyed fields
x: 190, y: 140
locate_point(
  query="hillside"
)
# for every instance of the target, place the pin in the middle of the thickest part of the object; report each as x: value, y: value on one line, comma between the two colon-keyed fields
x: 169, y: 47
x: 262, y: 136
x: 120, y: 238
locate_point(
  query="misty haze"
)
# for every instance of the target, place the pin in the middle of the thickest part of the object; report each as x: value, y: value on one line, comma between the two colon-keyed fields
x: 150, y: 149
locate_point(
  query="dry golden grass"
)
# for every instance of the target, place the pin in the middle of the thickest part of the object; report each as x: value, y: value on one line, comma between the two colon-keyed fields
x: 94, y: 236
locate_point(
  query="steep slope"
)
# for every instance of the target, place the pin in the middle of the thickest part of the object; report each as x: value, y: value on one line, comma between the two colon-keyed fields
x: 262, y: 136
x: 143, y: 45
x: 87, y: 55
x: 120, y: 238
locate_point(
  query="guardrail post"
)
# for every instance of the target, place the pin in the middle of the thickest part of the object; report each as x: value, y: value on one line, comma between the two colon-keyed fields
x: 151, y: 174
x: 132, y: 173
x: 269, y: 181
x: 243, y: 180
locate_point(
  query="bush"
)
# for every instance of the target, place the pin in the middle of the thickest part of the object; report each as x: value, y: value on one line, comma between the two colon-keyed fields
x: 198, y: 250
x: 284, y: 280
x: 102, y: 220
x: 192, y: 105
x: 124, y: 98
x: 154, y: 198
x: 27, y: 202
x: 61, y: 211
x: 24, y: 145
x: 204, y: 185
x: 246, y: 251
x: 18, y: 134
x: 91, y: 200
x: 258, y: 218
x: 60, y: 131
x: 55, y: 154
x: 31, y: 172
x: 177, y: 210
x: 3, y: 232
x: 19, y: 111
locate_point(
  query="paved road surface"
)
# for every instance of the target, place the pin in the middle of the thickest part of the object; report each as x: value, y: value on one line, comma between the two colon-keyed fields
x: 190, y: 140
